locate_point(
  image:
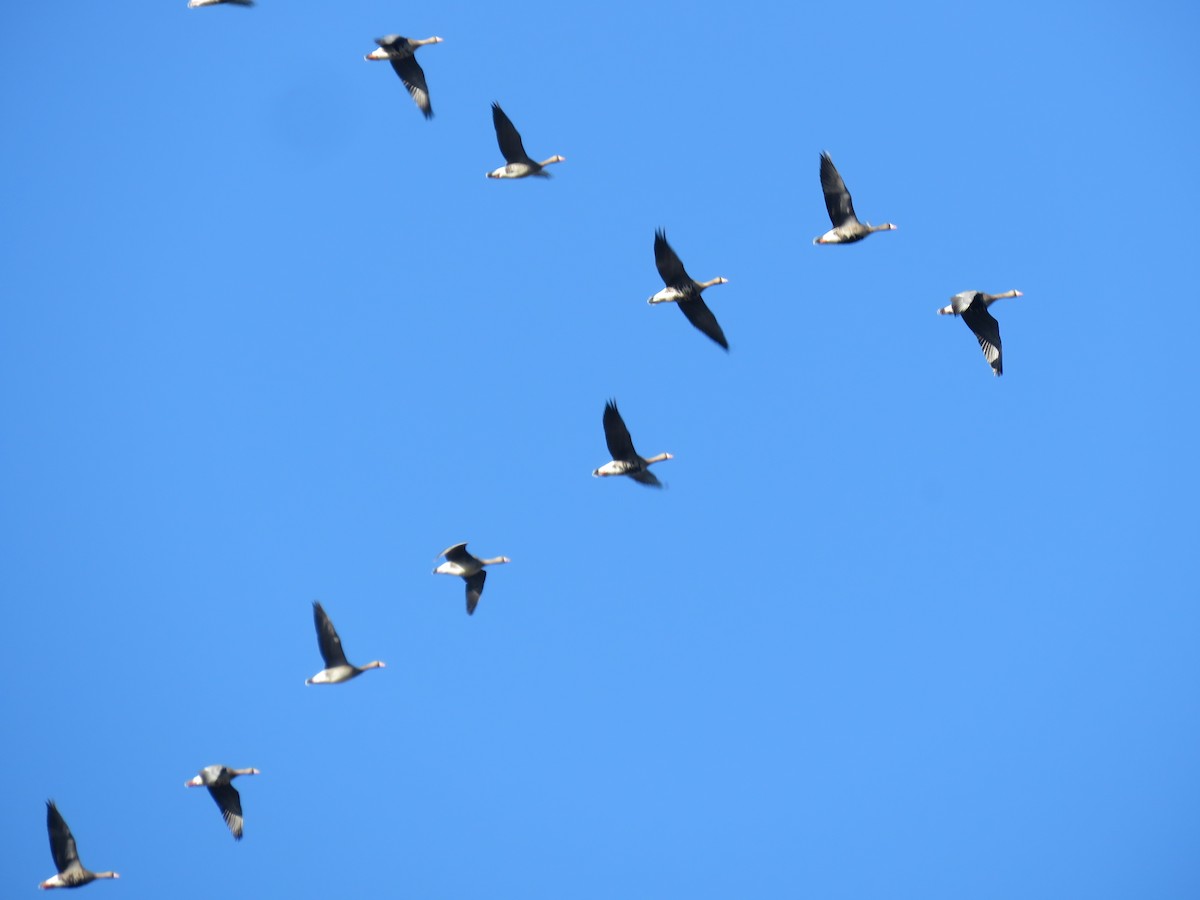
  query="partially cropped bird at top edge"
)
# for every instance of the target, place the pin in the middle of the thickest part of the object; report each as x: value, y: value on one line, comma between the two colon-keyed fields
x: 217, y: 779
x: 972, y: 306
x: 846, y: 227
x: 192, y: 4
x: 401, y: 53
x: 337, y: 668
x: 470, y: 569
x: 519, y: 163
x: 684, y: 290
x: 71, y: 872
x: 625, y: 460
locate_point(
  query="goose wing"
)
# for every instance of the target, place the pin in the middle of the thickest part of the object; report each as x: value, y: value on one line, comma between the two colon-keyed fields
x: 327, y: 638
x: 646, y: 477
x: 474, y: 590
x: 62, y: 842
x: 987, y: 332
x: 837, y: 199
x: 616, y: 435
x: 669, y: 266
x: 413, y: 76
x: 701, y: 316
x: 457, y: 554
x: 229, y: 801
x: 508, y: 138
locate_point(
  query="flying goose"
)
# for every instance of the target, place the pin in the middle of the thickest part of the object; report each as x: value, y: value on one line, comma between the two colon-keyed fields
x: 192, y: 4
x: 337, y: 669
x: 469, y: 568
x: 973, y: 307
x: 846, y: 227
x: 401, y: 52
x: 681, y: 288
x: 519, y: 162
x: 71, y: 872
x: 217, y: 779
x: 625, y: 460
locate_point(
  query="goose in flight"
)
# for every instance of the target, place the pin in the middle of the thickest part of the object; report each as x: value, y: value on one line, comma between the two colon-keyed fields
x: 217, y: 779
x: 972, y: 306
x: 401, y: 53
x: 470, y: 569
x: 684, y: 290
x: 625, y: 460
x: 192, y: 4
x: 846, y: 227
x: 337, y: 669
x: 519, y: 163
x: 71, y: 872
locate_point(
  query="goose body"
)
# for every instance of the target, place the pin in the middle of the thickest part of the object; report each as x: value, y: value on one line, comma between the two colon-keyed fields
x: 218, y: 781
x: 684, y: 290
x: 972, y: 307
x: 625, y: 460
x: 192, y: 4
x: 71, y: 872
x: 470, y: 569
x: 337, y: 668
x: 846, y: 227
x: 518, y: 163
x: 401, y: 53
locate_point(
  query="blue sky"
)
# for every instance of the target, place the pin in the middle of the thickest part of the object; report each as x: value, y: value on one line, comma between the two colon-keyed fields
x: 896, y: 627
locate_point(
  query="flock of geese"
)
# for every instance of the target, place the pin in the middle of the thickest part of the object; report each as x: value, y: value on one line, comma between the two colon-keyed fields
x: 680, y: 289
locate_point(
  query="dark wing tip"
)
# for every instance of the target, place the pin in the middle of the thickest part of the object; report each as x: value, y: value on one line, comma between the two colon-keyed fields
x: 828, y: 169
x: 328, y: 641
x: 616, y: 433
x: 455, y: 550
x: 512, y: 148
x: 62, y: 842
x: 229, y: 801
x: 475, y: 590
x: 662, y: 249
x: 235, y: 824
x: 612, y: 415
x: 667, y: 261
x: 647, y: 478
x: 697, y: 312
x: 53, y: 817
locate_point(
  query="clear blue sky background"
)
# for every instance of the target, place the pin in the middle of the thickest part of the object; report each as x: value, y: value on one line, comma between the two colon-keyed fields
x: 896, y: 629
